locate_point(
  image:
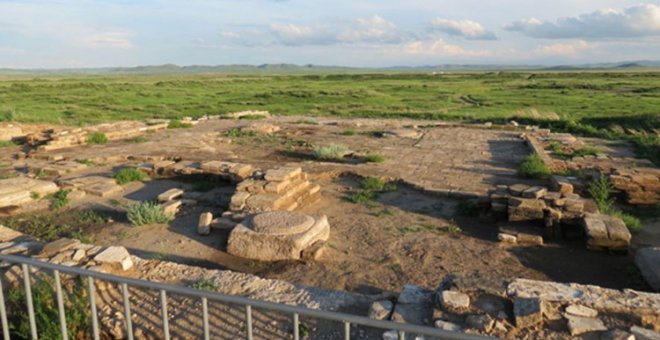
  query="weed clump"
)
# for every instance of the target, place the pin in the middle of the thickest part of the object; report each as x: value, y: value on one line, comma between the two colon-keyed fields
x: 349, y: 132
x: 143, y: 213
x: 332, y: 152
x: 97, y: 138
x: 370, y: 188
x: 46, y: 312
x: 177, y: 124
x: 59, y: 199
x: 128, y: 175
x: 601, y: 191
x: 374, y: 158
x: 533, y: 167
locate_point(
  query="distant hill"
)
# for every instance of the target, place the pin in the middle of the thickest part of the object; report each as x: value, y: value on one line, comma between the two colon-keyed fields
x: 266, y: 69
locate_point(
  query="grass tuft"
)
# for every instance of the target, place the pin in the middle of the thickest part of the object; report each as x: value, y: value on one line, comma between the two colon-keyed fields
x: 127, y: 175
x: 177, y: 124
x: 332, y: 152
x: 533, y: 167
x: 143, y: 213
x: 374, y: 158
x: 97, y: 138
x: 59, y: 199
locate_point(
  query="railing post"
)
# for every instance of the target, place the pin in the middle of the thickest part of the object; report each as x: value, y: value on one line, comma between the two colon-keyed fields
x: 163, y: 307
x: 248, y: 321
x: 347, y: 330
x: 402, y: 335
x: 60, y: 304
x: 205, y: 317
x: 296, y: 327
x: 3, y: 314
x: 28, y: 299
x: 127, y: 311
x: 92, y: 306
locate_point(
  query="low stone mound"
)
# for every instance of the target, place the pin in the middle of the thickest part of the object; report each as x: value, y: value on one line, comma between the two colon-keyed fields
x: 277, y: 235
x: 284, y: 188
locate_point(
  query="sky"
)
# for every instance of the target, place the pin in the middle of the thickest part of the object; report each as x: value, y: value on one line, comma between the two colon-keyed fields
x: 364, y: 33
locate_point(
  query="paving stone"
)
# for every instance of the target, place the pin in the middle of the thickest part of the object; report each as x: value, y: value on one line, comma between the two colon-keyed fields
x: 641, y: 333
x: 381, y: 310
x: 453, y: 300
x: 171, y: 208
x: 527, y: 311
x: 170, y: 195
x: 115, y: 256
x: 578, y: 325
x: 578, y: 310
x: 603, y: 231
x: 204, y: 224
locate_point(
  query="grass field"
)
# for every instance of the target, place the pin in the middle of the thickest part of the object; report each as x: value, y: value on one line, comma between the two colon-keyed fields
x: 607, y: 104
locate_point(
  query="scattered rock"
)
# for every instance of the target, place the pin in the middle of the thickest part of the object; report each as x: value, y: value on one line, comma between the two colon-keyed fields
x: 507, y: 238
x: 453, y: 300
x: 528, y: 311
x: 115, y: 256
x: 578, y: 310
x: 617, y: 334
x: 483, y: 323
x: 381, y: 310
x: 578, y: 325
x: 447, y: 326
x: 204, y: 224
x: 170, y: 195
x: 644, y: 334
x: 58, y: 246
x: 414, y: 294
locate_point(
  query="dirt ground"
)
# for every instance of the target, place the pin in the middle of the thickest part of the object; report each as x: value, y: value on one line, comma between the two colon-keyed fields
x: 402, y: 237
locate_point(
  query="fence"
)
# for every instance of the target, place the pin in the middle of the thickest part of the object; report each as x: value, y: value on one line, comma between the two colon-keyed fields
x: 295, y: 312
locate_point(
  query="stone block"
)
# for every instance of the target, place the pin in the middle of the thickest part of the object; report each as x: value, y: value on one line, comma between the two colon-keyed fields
x: 453, y: 300
x: 170, y: 195
x: 528, y: 311
x: 561, y: 184
x: 507, y: 238
x: 578, y: 325
x: 517, y: 189
x: 521, y: 209
x: 171, y: 208
x: 283, y: 173
x: 116, y: 257
x: 413, y: 294
x: 238, y: 200
x: 534, y: 192
x: 648, y: 262
x: 524, y: 238
x: 603, y: 231
x: 204, y: 223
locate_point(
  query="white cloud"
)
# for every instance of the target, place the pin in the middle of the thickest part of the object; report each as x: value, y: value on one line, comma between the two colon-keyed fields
x: 467, y: 29
x: 571, y: 49
x: 636, y: 21
x: 440, y: 48
x: 358, y: 31
x: 113, y: 39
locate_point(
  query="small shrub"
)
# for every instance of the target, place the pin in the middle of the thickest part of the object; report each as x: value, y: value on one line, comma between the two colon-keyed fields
x: 333, y: 152
x: 146, y: 213
x: 35, y: 195
x: 349, y: 132
x: 586, y: 151
x: 88, y: 217
x: 205, y: 284
x: 177, y: 124
x: 376, y: 184
x: 237, y: 132
x: 97, y: 138
x: 128, y: 175
x: 59, y: 199
x: 138, y: 139
x: 533, y: 167
x: 601, y: 190
x: 44, y: 300
x: 361, y: 196
x: 555, y: 146
x: 6, y: 143
x: 374, y: 158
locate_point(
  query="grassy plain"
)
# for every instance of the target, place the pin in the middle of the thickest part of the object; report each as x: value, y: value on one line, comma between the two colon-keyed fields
x: 614, y: 104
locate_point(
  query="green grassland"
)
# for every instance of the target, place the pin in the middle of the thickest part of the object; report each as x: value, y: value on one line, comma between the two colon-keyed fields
x: 607, y: 104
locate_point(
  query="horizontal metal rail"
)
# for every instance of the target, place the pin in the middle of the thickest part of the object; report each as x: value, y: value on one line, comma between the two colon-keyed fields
x: 249, y: 304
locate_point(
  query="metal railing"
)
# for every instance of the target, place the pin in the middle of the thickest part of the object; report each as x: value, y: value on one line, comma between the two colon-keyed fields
x: 295, y: 312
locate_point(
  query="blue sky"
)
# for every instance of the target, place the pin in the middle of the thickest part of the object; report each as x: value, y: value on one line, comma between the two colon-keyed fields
x: 86, y: 33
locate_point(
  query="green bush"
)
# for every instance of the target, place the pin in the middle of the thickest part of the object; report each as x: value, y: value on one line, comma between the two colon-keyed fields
x: 533, y: 167
x: 44, y: 300
x: 376, y: 184
x: 361, y: 196
x: 374, y: 158
x: 177, y: 124
x: 349, y: 132
x: 97, y: 138
x: 59, y: 199
x: 632, y: 222
x: 332, y: 152
x: 146, y: 213
x: 127, y: 175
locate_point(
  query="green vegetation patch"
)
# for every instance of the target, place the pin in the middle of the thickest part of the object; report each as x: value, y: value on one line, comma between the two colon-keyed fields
x: 332, y: 152
x: 127, y: 175
x: 143, y: 213
x: 370, y: 188
x: 97, y: 138
x: 533, y: 167
x: 601, y: 191
x: 177, y: 124
x: 374, y: 158
x: 51, y: 227
x: 59, y: 199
